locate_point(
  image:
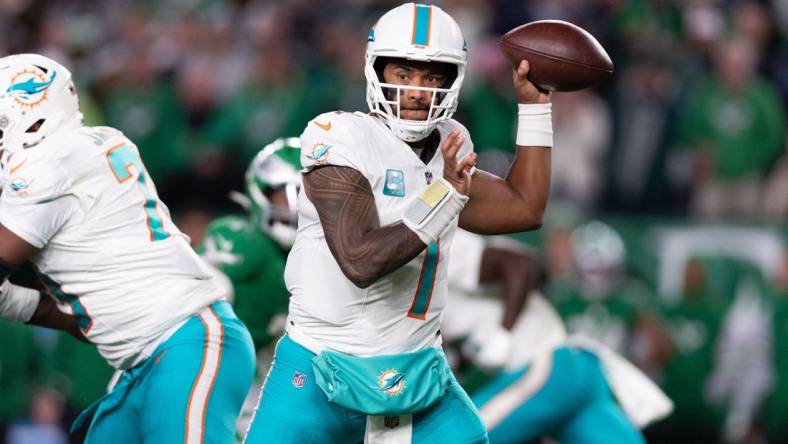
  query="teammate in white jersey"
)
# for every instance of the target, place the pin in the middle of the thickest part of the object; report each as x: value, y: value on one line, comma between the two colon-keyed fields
x: 383, y: 195
x: 78, y: 203
x: 539, y: 382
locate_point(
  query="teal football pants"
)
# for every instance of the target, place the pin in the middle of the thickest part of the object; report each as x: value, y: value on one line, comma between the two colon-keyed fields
x: 189, y: 391
x: 574, y: 405
x: 293, y: 409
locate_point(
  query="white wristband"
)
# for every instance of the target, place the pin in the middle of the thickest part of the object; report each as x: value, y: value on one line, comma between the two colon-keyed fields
x: 433, y: 210
x: 17, y: 304
x: 494, y: 352
x: 535, y: 124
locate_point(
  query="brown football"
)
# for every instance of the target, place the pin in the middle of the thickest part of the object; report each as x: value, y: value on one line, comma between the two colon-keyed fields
x: 563, y: 56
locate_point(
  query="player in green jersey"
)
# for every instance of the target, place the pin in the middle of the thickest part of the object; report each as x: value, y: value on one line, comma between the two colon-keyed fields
x: 778, y: 401
x: 251, y: 249
x: 601, y: 301
x: 694, y: 322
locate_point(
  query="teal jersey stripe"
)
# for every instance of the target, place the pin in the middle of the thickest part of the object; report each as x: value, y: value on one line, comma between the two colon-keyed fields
x: 79, y: 310
x: 429, y: 271
x: 155, y: 225
x: 421, y: 25
x: 120, y: 159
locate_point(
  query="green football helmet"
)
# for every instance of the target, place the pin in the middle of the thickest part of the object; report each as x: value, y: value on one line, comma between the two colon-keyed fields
x: 275, y: 169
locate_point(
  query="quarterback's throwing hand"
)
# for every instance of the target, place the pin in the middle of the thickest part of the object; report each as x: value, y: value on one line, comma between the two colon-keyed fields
x: 527, y: 92
x: 454, y: 171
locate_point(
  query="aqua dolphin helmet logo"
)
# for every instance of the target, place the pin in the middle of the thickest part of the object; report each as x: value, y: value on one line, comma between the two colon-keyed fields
x: 29, y: 87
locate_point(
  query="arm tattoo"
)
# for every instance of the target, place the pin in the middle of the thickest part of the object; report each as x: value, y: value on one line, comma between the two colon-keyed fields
x: 364, y: 250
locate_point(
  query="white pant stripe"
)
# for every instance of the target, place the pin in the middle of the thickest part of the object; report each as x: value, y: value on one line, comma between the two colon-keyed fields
x: 203, y: 385
x: 503, y: 404
x: 262, y: 388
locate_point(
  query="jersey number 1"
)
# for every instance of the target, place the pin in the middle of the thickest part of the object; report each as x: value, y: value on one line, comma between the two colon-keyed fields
x: 121, y: 158
x: 429, y: 271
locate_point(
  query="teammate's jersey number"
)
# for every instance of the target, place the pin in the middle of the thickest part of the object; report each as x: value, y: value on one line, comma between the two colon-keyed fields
x: 121, y: 158
x: 429, y: 271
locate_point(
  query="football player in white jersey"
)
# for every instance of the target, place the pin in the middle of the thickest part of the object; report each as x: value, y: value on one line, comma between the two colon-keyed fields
x: 540, y: 382
x: 78, y: 204
x: 383, y: 195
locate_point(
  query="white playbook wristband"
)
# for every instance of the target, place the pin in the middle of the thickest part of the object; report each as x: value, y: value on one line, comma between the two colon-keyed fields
x: 535, y: 124
x: 17, y: 304
x: 433, y: 210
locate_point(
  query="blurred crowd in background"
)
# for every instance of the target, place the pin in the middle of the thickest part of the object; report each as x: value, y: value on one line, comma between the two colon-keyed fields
x: 684, y: 152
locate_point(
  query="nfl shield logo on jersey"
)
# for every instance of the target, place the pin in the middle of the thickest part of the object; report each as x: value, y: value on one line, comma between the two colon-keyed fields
x: 299, y: 379
x: 395, y: 183
x: 391, y: 421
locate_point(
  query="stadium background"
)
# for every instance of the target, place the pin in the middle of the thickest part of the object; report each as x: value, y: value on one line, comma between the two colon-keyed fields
x: 684, y: 152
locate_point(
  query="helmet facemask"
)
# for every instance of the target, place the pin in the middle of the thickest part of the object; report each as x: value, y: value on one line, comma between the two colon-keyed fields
x: 275, y: 169
x: 599, y: 257
x: 279, y: 221
x: 384, y: 99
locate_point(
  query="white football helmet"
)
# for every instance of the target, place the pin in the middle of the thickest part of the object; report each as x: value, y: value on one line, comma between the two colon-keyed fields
x: 37, y: 97
x: 414, y: 32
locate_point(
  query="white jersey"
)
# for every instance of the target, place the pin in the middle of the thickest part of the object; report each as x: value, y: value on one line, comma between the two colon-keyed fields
x: 110, y: 255
x: 474, y: 309
x: 401, y: 312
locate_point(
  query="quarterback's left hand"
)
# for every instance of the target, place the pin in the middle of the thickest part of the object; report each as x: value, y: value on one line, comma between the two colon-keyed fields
x: 457, y: 173
x: 527, y: 92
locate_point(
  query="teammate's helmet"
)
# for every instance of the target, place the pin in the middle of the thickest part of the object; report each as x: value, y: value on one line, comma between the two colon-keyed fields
x: 37, y: 97
x: 414, y: 32
x: 598, y: 254
x: 276, y: 167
